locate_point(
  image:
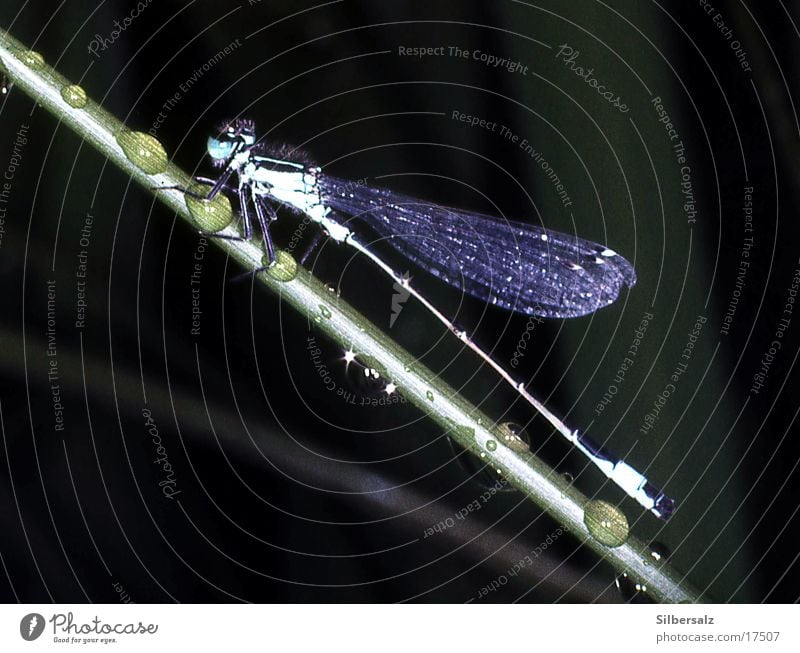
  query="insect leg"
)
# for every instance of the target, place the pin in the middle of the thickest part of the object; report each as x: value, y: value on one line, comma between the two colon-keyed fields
x: 226, y: 174
x: 220, y: 183
x: 262, y: 210
x: 315, y: 240
x: 204, y: 180
x: 208, y: 180
x: 247, y: 227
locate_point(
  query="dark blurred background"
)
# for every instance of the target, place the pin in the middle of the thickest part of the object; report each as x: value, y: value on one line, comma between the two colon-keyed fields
x: 286, y: 487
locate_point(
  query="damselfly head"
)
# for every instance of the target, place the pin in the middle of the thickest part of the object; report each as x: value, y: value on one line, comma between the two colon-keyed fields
x: 233, y: 136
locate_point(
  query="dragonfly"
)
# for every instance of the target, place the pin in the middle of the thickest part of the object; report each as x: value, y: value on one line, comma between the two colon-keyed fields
x: 516, y: 266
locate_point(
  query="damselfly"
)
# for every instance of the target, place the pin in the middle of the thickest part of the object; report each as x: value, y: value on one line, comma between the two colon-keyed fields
x: 516, y: 266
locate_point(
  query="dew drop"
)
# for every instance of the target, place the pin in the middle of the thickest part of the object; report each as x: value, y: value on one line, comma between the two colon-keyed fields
x: 74, y: 96
x: 143, y: 151
x: 366, y: 379
x: 514, y: 437
x: 466, y: 432
x: 325, y: 312
x: 606, y: 523
x: 284, y: 268
x: 373, y: 365
x: 631, y: 590
x: 569, y: 478
x: 475, y: 466
x: 30, y: 58
x: 429, y: 395
x: 658, y: 553
x: 208, y: 215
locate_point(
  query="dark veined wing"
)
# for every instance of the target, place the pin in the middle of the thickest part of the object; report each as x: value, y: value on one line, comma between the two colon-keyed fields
x: 513, y: 265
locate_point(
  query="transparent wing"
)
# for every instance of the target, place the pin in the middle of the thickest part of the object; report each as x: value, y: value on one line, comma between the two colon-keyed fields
x: 513, y: 265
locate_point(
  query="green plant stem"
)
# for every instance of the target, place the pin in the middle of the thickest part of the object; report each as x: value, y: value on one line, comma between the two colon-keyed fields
x: 463, y: 422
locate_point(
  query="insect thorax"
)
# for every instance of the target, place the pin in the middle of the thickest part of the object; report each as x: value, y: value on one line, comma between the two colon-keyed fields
x: 292, y: 184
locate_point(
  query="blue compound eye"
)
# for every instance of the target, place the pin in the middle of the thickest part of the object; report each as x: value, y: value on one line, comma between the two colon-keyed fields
x: 218, y: 149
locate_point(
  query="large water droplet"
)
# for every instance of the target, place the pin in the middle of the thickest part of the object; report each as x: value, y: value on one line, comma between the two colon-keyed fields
x: 325, y: 312
x: 284, y: 268
x: 30, y: 58
x: 606, y: 523
x: 143, y: 151
x: 429, y: 395
x: 491, y: 445
x: 208, y: 215
x: 74, y: 96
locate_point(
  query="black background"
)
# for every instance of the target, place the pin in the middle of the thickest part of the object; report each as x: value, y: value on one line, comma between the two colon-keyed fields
x: 290, y: 493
